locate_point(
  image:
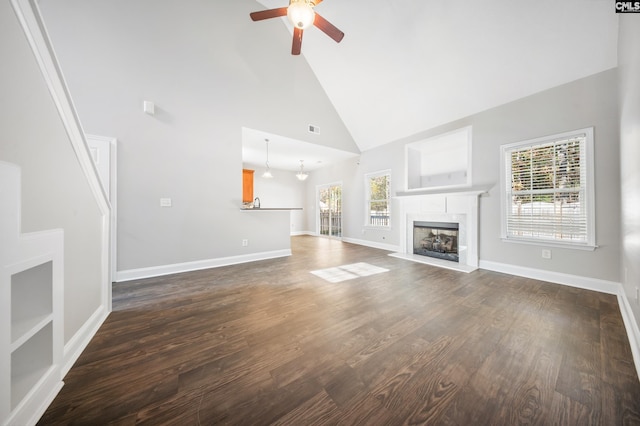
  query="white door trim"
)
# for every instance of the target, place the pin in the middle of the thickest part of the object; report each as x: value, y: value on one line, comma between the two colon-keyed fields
x: 318, y: 230
x: 112, y: 194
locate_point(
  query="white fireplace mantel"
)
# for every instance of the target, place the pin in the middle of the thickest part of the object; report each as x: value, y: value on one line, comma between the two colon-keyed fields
x: 463, y: 191
x: 459, y: 207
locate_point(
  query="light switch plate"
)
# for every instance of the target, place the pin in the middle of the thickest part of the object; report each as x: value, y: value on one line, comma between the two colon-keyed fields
x: 149, y: 107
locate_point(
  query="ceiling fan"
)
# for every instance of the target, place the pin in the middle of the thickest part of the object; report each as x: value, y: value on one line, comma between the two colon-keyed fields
x: 302, y: 16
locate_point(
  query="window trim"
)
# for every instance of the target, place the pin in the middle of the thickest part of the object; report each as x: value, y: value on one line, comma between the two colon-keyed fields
x: 367, y: 199
x: 590, y: 244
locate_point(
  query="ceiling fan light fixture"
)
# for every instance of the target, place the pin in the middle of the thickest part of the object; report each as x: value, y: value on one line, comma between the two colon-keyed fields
x: 301, y: 14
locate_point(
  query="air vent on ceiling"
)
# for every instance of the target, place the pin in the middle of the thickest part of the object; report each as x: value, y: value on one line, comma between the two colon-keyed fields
x: 314, y: 129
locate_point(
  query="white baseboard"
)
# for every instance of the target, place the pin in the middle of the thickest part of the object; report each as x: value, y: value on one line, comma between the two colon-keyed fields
x: 156, y: 271
x: 631, y: 324
x: 367, y: 243
x: 603, y: 286
x: 42, y: 408
x: 373, y: 244
x: 78, y: 343
x: 298, y: 233
x: 30, y: 410
x: 595, y: 284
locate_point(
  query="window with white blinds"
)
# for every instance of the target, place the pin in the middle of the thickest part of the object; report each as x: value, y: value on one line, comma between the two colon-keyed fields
x: 548, y: 190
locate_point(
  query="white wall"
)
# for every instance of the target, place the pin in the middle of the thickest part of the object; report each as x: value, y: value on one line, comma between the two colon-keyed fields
x: 629, y: 57
x: 350, y: 174
x: 190, y: 150
x: 208, y: 79
x: 55, y: 192
x: 591, y: 101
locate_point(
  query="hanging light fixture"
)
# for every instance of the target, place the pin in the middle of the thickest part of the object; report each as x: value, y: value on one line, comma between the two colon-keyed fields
x: 301, y: 14
x: 302, y: 175
x: 267, y: 174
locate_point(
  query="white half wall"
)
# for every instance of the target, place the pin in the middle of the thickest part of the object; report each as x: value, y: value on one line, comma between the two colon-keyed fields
x: 284, y: 190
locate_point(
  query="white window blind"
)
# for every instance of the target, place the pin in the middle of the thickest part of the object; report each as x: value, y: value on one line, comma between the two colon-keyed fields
x: 549, y: 189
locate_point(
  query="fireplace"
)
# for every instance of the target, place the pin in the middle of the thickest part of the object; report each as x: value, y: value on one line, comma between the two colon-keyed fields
x: 436, y: 239
x: 459, y: 209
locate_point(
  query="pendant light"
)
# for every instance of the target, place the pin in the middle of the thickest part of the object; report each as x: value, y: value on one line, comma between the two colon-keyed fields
x: 302, y: 175
x: 267, y: 174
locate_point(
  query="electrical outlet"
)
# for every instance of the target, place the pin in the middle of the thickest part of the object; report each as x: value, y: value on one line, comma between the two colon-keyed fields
x: 165, y: 202
x: 245, y: 243
x: 546, y: 254
x: 637, y: 295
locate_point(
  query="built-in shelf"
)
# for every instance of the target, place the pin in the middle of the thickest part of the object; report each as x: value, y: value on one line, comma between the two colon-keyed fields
x: 30, y: 362
x: 29, y: 313
x: 30, y: 310
x: 29, y: 328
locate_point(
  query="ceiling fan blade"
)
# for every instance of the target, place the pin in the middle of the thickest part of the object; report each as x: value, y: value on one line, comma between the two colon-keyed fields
x: 328, y: 28
x: 297, y: 41
x: 270, y: 13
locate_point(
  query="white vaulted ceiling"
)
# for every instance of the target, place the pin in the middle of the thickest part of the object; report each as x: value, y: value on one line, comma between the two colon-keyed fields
x: 403, y: 67
x: 406, y: 66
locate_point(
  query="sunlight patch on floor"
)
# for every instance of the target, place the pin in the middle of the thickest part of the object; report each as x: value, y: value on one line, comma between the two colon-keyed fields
x: 348, y: 272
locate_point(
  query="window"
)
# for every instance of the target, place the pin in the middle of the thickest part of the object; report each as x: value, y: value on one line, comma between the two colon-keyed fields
x: 378, y: 202
x: 548, y: 190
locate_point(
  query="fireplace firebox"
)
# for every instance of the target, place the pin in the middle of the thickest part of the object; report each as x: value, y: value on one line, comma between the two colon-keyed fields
x: 436, y: 239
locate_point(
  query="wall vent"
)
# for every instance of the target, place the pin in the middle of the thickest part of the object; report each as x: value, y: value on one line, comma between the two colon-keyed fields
x: 314, y: 129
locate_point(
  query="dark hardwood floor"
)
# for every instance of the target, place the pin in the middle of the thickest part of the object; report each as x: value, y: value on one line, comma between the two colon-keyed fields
x: 270, y: 343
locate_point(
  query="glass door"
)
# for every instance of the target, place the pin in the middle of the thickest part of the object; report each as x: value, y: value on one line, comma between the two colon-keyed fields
x: 330, y: 210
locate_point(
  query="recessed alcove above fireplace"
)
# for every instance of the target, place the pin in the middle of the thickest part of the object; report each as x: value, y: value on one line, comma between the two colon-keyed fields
x: 442, y: 161
x: 457, y: 211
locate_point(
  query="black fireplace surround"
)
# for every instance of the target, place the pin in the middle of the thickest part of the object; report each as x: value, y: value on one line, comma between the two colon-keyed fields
x: 436, y: 239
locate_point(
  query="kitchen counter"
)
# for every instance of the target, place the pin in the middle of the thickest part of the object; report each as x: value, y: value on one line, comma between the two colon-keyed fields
x: 269, y: 208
